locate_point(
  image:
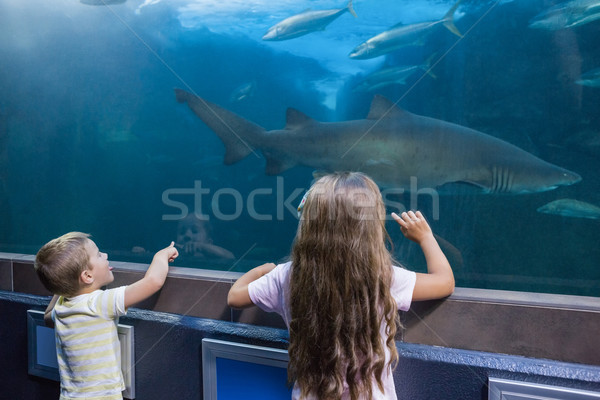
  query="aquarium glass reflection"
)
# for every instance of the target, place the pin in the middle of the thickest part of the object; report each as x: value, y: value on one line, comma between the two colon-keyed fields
x: 204, y: 122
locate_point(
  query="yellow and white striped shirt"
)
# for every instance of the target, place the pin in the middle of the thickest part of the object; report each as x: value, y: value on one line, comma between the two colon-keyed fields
x: 87, y: 344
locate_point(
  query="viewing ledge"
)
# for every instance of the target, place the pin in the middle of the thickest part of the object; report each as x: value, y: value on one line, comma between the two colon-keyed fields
x: 556, y: 327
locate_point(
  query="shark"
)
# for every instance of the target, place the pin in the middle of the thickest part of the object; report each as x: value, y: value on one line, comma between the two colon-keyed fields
x: 403, y: 35
x: 392, y: 145
x: 305, y: 23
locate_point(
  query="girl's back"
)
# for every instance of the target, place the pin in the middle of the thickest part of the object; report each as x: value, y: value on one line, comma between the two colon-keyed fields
x: 343, y: 317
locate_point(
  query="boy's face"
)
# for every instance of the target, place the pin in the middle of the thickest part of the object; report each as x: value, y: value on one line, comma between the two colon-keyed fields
x: 98, y: 265
x: 191, y: 230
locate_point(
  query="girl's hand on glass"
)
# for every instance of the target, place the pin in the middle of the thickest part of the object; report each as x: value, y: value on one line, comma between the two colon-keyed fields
x: 413, y: 226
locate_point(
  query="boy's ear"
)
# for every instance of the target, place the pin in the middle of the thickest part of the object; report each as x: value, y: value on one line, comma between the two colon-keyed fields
x: 86, y: 277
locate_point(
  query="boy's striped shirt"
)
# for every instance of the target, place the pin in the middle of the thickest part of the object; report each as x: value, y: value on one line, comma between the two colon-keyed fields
x: 87, y: 344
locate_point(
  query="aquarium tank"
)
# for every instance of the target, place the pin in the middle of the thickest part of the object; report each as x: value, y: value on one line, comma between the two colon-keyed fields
x: 203, y: 122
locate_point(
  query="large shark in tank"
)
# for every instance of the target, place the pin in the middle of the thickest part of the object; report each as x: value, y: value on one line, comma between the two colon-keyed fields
x: 391, y: 145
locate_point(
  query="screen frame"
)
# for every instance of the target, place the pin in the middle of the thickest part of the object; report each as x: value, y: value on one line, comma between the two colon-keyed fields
x: 35, y: 319
x: 213, y: 349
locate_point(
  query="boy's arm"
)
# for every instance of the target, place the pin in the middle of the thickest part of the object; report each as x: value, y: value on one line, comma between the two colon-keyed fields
x: 154, y: 279
x: 48, y: 313
x: 438, y: 282
x: 238, y: 296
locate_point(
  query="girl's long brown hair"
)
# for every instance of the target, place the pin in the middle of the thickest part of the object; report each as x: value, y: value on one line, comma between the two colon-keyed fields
x: 340, y: 290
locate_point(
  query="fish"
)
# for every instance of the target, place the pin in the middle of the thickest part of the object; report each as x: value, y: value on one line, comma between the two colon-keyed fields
x: 567, y: 15
x: 305, y: 23
x: 395, y: 147
x: 571, y: 208
x: 590, y: 78
x: 403, y: 35
x: 243, y: 91
x: 392, y: 76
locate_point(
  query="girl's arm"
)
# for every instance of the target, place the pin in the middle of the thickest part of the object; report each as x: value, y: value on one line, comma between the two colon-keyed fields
x: 238, y: 296
x: 438, y: 282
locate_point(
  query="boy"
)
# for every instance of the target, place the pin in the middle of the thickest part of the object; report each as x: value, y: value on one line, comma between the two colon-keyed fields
x: 85, y: 317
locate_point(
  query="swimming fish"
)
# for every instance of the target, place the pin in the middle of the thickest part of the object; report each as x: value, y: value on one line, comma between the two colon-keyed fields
x: 392, y: 76
x: 305, y: 23
x: 590, y: 78
x: 243, y: 91
x: 403, y: 35
x: 567, y: 15
x: 392, y: 145
x: 571, y: 208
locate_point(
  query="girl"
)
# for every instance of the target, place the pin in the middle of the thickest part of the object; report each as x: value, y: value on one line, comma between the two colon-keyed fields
x: 340, y: 295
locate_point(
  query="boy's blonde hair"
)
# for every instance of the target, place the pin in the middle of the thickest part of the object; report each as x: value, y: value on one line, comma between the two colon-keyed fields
x: 340, y: 290
x: 60, y: 262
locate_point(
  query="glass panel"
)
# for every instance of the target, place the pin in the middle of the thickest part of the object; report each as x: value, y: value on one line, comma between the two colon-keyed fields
x: 484, y: 116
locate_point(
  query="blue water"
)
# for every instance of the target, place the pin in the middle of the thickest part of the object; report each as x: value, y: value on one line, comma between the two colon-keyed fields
x: 91, y: 137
